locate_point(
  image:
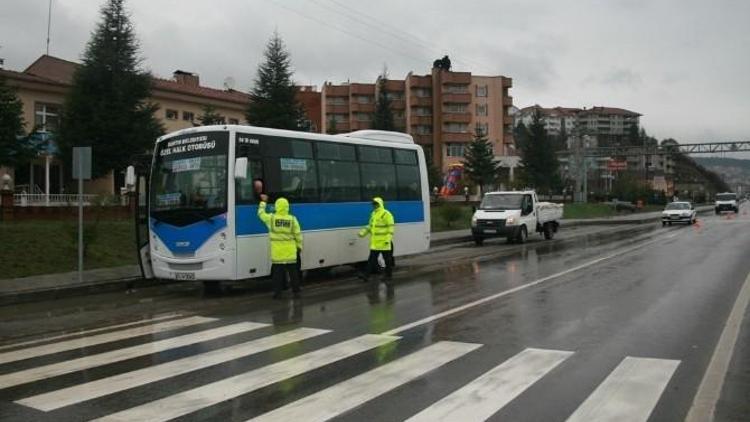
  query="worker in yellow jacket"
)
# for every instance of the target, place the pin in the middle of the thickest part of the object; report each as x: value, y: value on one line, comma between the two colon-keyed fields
x: 380, y: 228
x: 286, y: 244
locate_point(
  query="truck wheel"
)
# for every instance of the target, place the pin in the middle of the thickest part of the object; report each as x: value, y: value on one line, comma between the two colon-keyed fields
x: 522, y: 235
x: 478, y: 240
x: 549, y: 231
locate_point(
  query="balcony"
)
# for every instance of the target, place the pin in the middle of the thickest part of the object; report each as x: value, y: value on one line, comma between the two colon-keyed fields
x: 507, y: 120
x: 394, y: 86
x: 457, y: 117
x: 507, y: 101
x: 398, y: 104
x: 362, y: 89
x: 422, y: 139
x: 457, y: 98
x: 421, y: 101
x: 420, y: 82
x: 463, y: 78
x: 363, y: 107
x: 337, y: 109
x: 361, y: 125
x: 507, y: 82
x: 421, y: 120
x: 456, y: 137
x: 336, y: 90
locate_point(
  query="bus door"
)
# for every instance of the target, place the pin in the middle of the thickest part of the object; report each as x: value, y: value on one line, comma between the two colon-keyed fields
x: 137, y: 184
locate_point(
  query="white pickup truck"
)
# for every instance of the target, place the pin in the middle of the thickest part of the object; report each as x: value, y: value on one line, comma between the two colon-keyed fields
x: 513, y: 215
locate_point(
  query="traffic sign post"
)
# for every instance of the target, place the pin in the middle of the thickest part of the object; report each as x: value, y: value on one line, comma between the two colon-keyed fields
x: 81, y: 171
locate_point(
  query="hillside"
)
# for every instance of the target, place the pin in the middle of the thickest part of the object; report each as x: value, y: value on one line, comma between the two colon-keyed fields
x: 736, y: 172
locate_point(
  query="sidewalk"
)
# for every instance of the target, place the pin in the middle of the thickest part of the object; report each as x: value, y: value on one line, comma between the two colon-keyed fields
x: 50, y: 286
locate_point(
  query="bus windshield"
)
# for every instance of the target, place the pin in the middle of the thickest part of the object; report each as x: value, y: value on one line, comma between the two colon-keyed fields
x: 189, y: 178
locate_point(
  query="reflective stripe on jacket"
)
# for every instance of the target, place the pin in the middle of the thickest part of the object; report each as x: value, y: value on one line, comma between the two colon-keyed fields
x: 283, y: 231
x: 380, y: 228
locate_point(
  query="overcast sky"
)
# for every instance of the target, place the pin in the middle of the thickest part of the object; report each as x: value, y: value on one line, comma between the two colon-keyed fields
x: 683, y: 64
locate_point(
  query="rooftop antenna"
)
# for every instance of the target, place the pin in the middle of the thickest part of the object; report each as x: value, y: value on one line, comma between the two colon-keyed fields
x: 49, y: 23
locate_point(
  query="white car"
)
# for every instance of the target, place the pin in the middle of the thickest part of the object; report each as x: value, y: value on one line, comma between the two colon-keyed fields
x: 678, y: 212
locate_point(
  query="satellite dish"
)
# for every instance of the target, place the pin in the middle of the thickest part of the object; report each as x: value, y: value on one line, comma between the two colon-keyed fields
x: 229, y: 83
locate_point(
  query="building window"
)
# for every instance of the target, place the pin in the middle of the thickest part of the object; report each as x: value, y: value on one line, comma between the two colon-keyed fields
x: 171, y: 114
x: 398, y: 114
x: 363, y: 117
x: 454, y: 150
x: 394, y: 96
x: 481, y: 90
x: 456, y: 89
x: 188, y: 116
x: 363, y: 99
x: 422, y: 92
x: 336, y: 101
x: 481, y: 109
x: 483, y: 129
x: 423, y: 129
x: 422, y: 111
x: 455, y: 127
x: 46, y: 117
x: 456, y: 108
x: 234, y: 121
x: 338, y: 118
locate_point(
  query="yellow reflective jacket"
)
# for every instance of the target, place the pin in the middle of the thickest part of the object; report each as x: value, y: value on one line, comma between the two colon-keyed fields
x: 283, y: 230
x: 380, y: 228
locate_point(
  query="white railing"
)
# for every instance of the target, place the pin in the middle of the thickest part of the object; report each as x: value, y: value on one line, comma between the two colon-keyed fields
x: 52, y: 200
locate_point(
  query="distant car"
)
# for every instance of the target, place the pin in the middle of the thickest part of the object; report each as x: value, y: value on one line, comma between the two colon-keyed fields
x: 621, y: 205
x: 726, y: 201
x: 678, y: 212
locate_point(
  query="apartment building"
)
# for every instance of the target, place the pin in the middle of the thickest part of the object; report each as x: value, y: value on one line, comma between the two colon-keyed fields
x: 42, y: 88
x: 442, y: 110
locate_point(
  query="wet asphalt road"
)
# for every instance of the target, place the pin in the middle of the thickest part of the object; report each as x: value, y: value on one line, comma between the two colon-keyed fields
x: 612, y: 320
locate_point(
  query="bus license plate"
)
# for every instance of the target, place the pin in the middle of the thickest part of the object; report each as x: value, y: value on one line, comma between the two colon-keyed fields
x: 184, y: 276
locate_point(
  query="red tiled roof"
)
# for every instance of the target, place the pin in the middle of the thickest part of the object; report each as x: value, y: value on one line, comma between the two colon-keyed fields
x: 52, y: 69
x: 610, y: 111
x: 11, y: 74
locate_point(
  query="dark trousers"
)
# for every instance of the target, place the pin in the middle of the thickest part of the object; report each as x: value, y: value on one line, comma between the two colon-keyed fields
x: 279, y: 273
x: 372, y: 262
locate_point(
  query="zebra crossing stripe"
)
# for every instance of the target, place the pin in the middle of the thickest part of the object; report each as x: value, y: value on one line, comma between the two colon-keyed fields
x: 210, y: 394
x: 105, y: 386
x: 86, y: 362
x: 82, y: 342
x: 87, y: 332
x: 349, y: 394
x: 484, y: 396
x: 629, y: 393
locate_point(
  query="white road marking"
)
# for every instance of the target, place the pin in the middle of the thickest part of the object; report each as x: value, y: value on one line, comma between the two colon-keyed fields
x: 709, y: 391
x: 629, y: 393
x: 91, y: 331
x: 82, y: 342
x: 483, y: 397
x: 105, y: 386
x: 342, y: 397
x: 86, y: 362
x: 482, y: 301
x: 210, y: 394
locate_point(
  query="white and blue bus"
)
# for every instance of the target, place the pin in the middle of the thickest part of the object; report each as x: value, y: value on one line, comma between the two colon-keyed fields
x: 204, y: 191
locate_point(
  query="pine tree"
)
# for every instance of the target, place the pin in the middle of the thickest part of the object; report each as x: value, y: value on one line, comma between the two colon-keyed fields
x: 14, y: 146
x: 210, y: 116
x: 383, y: 118
x: 273, y: 100
x: 480, y: 165
x: 332, y: 129
x: 107, y: 107
x: 434, y: 175
x: 539, y: 157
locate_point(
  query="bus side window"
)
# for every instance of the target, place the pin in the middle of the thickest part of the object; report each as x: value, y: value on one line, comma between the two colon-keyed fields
x: 246, y: 189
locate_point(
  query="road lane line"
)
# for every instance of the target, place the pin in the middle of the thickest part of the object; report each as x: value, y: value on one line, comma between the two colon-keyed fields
x: 91, y: 331
x: 82, y: 342
x: 458, y: 309
x: 629, y: 393
x: 709, y: 391
x: 484, y: 396
x: 86, y: 362
x: 344, y: 396
x: 216, y: 392
x: 105, y: 386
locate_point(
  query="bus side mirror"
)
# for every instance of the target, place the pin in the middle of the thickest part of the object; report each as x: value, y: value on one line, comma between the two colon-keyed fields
x: 130, y: 178
x: 240, y: 168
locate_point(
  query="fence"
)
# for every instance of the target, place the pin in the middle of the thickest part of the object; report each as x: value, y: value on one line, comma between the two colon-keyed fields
x: 52, y: 200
